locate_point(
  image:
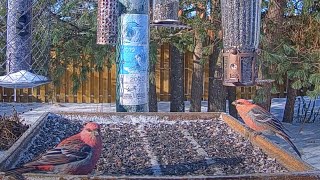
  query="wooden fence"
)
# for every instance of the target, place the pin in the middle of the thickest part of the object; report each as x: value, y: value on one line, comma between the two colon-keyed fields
x: 100, y: 87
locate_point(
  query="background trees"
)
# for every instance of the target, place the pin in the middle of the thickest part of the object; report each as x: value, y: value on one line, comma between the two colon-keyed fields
x: 289, y: 49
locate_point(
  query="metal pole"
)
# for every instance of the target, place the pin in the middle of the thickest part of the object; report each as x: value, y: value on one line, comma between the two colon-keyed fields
x: 133, y: 56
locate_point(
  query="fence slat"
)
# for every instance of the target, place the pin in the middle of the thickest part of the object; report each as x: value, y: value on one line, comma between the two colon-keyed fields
x: 100, y: 87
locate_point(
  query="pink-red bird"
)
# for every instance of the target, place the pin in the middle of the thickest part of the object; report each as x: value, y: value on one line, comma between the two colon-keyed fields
x: 76, y: 155
x: 261, y: 120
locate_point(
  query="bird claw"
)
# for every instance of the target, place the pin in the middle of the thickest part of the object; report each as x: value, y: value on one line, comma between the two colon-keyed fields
x: 255, y: 133
x: 249, y: 131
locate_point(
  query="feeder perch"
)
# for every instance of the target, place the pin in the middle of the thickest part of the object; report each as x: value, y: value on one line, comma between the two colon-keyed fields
x: 165, y: 14
x: 24, y: 51
x: 241, y: 30
x: 108, y: 12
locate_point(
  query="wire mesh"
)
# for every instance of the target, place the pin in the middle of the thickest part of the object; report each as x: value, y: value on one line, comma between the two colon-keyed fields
x: 24, y: 43
x: 107, y: 27
x: 241, y: 24
x: 165, y: 14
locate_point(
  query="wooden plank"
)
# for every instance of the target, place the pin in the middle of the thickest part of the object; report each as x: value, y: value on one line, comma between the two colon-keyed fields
x: 92, y: 85
x: 113, y: 83
x: 162, y: 73
x: 166, y: 77
x: 104, y: 83
x: 42, y: 93
x: 71, y: 97
x: 62, y: 94
x: 313, y: 175
x: 101, y: 83
x: 188, y: 77
x: 32, y: 93
x: 1, y: 94
x: 19, y: 95
x: 80, y: 90
x: 96, y: 87
x: 25, y: 96
x: 158, y: 73
x: 284, y: 157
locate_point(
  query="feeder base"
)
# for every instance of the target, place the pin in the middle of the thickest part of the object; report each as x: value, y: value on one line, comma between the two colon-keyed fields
x: 22, y: 79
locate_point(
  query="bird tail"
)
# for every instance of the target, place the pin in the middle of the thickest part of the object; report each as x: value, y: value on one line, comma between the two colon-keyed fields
x: 18, y: 171
x: 286, y: 138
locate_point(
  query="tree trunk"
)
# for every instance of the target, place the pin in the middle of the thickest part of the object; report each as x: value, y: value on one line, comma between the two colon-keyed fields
x: 232, y: 95
x: 272, y: 22
x: 289, y: 108
x: 153, y: 102
x: 176, y: 80
x: 217, y: 94
x: 197, y: 76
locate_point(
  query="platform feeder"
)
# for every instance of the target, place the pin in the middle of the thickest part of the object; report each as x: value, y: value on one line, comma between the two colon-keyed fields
x: 241, y: 30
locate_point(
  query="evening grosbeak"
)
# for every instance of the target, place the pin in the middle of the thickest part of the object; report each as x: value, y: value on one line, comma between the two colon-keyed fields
x: 260, y: 120
x: 76, y: 155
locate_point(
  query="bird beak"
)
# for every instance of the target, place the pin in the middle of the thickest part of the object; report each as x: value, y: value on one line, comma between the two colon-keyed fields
x: 234, y: 103
x: 95, y: 132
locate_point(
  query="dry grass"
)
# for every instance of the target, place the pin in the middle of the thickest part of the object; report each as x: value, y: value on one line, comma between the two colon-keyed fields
x: 11, y: 128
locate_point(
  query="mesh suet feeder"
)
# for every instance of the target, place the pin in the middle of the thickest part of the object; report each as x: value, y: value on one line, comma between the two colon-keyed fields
x: 108, y: 13
x: 241, y: 30
x: 24, y: 44
x: 165, y: 14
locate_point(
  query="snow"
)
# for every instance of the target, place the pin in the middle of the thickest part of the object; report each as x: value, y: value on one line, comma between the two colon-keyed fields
x: 307, y: 141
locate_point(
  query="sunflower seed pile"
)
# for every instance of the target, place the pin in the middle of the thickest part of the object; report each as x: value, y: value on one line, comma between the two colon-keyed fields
x: 161, y: 148
x: 54, y: 130
x: 123, y: 152
x: 200, y: 147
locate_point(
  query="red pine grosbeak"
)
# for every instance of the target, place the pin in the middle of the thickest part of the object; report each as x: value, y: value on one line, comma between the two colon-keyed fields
x: 75, y: 155
x: 261, y: 120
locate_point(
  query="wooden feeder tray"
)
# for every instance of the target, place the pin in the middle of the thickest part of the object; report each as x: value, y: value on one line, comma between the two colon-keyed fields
x: 165, y: 146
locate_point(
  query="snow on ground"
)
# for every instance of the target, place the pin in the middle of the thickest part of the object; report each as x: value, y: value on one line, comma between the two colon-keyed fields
x: 307, y: 141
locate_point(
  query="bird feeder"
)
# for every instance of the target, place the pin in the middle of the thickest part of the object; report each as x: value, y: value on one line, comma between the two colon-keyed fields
x: 241, y: 29
x: 24, y: 50
x: 133, y: 60
x: 107, y: 29
x: 165, y: 14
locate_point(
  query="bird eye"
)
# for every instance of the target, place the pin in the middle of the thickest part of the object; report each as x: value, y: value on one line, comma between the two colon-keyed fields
x: 89, y: 130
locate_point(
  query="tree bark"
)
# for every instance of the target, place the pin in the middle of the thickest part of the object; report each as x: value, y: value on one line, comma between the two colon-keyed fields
x: 197, y: 76
x: 153, y: 102
x: 232, y: 95
x: 217, y: 94
x: 289, y: 107
x: 176, y: 80
x: 272, y: 30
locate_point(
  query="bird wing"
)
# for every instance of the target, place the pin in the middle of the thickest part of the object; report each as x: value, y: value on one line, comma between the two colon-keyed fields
x: 67, y: 153
x: 265, y: 118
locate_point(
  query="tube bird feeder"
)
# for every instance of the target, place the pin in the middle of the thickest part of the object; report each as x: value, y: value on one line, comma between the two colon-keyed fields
x: 108, y: 12
x: 133, y: 56
x: 165, y: 14
x: 241, y: 30
x: 24, y: 51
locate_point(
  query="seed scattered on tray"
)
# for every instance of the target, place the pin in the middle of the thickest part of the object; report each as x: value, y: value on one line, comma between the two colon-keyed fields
x: 162, y: 147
